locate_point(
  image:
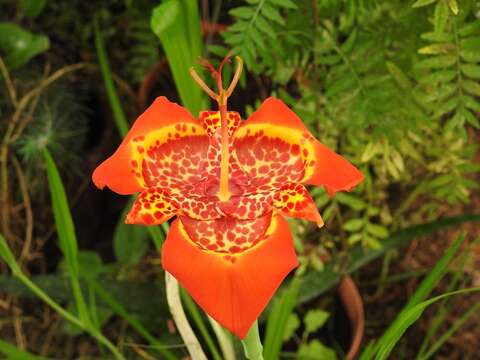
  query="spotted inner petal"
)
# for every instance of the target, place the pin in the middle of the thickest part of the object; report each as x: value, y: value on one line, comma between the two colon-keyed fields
x: 273, y: 155
x: 211, y: 121
x: 295, y: 201
x: 171, y: 157
x: 152, y: 207
x: 226, y: 235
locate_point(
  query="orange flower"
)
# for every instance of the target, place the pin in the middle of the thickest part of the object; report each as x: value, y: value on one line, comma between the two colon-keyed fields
x: 229, y: 183
x: 230, y: 254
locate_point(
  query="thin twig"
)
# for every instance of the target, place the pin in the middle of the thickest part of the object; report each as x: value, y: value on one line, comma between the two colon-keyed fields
x: 28, y: 210
x: 8, y: 82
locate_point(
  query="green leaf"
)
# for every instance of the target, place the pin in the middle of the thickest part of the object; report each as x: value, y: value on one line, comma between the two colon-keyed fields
x: 470, y: 44
x: 440, y: 16
x: 420, y: 3
x: 32, y: 8
x: 315, y: 284
x: 469, y: 29
x: 314, y: 320
x: 164, y: 16
x: 315, y: 350
x: 444, y: 76
x: 272, y: 13
x: 471, y: 118
x: 435, y: 49
x: 18, y: 46
x: 242, y: 12
x: 289, y: 4
x: 406, y: 319
x: 471, y: 87
x: 265, y: 27
x: 377, y: 230
x: 293, y: 323
x: 14, y: 353
x: 470, y: 70
x: 453, y: 6
x: 438, y: 37
x: 353, y: 225
x: 130, y: 242
x: 400, y: 78
x: 411, y: 311
x: 437, y: 62
x: 350, y: 200
x: 280, y: 312
x: 7, y: 256
x: 471, y: 103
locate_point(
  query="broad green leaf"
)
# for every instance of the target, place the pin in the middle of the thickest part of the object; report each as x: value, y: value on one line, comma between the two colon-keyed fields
x: 314, y: 320
x: 315, y: 350
x: 164, y: 16
x: 18, y: 46
x: 32, y: 8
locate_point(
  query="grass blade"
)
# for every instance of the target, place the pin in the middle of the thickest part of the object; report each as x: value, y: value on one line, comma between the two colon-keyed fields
x: 12, y: 352
x: 278, y: 317
x: 385, y: 344
x: 118, y: 114
x: 66, y: 232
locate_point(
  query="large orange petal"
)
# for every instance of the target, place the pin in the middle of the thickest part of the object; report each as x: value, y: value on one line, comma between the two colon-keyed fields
x: 273, y: 146
x: 155, y: 150
x: 233, y: 289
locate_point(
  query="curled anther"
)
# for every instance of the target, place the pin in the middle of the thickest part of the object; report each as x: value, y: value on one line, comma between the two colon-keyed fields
x: 236, y: 76
x: 202, y: 84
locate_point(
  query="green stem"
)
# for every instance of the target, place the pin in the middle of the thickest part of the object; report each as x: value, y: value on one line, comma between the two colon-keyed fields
x: 176, y: 309
x: 224, y: 339
x: 118, y: 114
x: 252, y: 345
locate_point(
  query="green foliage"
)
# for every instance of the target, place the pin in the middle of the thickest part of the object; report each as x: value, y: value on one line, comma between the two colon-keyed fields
x: 18, y: 45
x: 177, y: 25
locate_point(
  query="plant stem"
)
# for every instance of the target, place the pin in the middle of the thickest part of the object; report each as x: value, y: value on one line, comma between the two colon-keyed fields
x: 176, y: 309
x: 224, y: 339
x: 252, y: 345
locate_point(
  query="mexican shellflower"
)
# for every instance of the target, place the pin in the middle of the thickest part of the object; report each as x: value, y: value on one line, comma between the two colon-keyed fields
x: 229, y: 183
